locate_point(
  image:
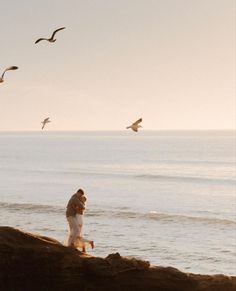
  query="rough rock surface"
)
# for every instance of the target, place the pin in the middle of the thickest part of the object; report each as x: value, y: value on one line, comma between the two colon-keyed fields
x: 30, y: 262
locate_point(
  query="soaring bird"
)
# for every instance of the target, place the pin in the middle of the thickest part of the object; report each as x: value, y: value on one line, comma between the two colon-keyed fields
x: 46, y: 120
x: 135, y: 125
x: 51, y: 39
x: 7, y: 69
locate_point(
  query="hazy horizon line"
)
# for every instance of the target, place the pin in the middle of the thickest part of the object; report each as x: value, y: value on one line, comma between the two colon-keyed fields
x: 118, y: 130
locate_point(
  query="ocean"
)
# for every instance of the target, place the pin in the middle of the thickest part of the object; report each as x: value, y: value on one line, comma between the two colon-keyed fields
x: 168, y: 197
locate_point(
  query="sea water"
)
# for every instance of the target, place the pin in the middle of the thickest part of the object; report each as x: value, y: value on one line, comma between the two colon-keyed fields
x: 163, y: 196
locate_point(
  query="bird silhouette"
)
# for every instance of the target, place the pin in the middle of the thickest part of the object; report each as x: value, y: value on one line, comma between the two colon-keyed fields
x: 51, y: 39
x: 135, y: 126
x: 45, y: 121
x: 7, y: 69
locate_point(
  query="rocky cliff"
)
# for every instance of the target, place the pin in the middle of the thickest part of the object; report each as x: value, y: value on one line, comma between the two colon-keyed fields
x: 30, y: 262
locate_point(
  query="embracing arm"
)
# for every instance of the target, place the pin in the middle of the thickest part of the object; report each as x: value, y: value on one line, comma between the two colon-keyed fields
x: 78, y: 204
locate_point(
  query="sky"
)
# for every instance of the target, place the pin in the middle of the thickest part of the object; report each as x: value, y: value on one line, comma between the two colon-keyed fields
x: 171, y: 62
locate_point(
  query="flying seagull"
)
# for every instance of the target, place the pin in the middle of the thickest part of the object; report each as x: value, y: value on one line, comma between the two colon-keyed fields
x: 51, y: 39
x: 46, y: 120
x: 7, y: 69
x: 135, y: 125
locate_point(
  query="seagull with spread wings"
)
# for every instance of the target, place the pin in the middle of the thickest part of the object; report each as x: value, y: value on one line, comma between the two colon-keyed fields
x: 51, y: 39
x: 135, y: 126
x: 7, y: 69
x: 46, y: 120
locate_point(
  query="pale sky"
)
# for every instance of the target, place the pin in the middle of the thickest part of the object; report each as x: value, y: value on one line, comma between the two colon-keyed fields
x: 171, y: 62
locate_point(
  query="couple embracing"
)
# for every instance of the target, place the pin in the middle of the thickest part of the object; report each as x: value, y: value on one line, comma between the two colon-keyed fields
x: 74, y: 214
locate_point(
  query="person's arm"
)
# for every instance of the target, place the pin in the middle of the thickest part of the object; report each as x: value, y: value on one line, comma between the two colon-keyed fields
x: 78, y: 204
x: 80, y: 211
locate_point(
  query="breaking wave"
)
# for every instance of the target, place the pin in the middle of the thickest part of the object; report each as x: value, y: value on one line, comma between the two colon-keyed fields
x: 29, y: 208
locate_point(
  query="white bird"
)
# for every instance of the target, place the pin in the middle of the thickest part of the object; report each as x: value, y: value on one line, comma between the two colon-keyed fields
x: 51, y: 39
x: 135, y: 125
x: 46, y: 120
x: 7, y: 69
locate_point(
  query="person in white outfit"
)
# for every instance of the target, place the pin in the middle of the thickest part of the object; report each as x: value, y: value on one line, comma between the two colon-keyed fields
x: 74, y: 214
x: 73, y: 205
x: 81, y: 242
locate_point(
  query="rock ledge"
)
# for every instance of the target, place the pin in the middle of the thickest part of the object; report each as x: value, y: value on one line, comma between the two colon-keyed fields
x: 32, y: 262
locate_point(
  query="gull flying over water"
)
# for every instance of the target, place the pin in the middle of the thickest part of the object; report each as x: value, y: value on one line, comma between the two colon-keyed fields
x: 46, y: 120
x: 51, y: 39
x: 135, y: 126
x: 7, y: 69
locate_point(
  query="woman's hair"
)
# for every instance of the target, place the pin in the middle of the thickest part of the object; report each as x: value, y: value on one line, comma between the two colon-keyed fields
x: 80, y: 191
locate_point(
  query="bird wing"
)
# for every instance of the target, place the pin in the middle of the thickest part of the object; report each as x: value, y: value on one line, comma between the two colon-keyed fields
x: 137, y: 122
x: 11, y: 68
x: 46, y: 119
x: 134, y: 129
x: 54, y: 32
x: 8, y: 69
x: 38, y: 40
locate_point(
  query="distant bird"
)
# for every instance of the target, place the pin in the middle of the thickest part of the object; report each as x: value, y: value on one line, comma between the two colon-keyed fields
x: 7, y: 69
x: 51, y: 39
x: 46, y: 120
x: 135, y: 125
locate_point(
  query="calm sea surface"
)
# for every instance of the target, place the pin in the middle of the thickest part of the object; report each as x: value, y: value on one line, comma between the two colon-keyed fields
x: 168, y: 197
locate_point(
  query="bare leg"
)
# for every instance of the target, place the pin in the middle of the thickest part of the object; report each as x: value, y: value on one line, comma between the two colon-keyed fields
x: 92, y: 244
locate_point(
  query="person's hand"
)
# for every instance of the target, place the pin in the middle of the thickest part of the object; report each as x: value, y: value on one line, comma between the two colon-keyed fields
x: 80, y: 211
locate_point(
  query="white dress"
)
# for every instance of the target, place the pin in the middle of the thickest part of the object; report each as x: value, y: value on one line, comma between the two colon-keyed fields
x: 80, y: 241
x: 75, y: 235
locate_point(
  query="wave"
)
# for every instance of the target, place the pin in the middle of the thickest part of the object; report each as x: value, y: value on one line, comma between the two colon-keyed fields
x: 124, y: 174
x: 28, y: 208
x: 159, y: 177
x: 185, y: 178
x: 168, y: 217
x: 153, y: 177
x: 179, y: 217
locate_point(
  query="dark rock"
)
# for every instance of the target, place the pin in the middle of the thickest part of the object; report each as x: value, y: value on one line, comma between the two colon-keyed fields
x: 32, y: 262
